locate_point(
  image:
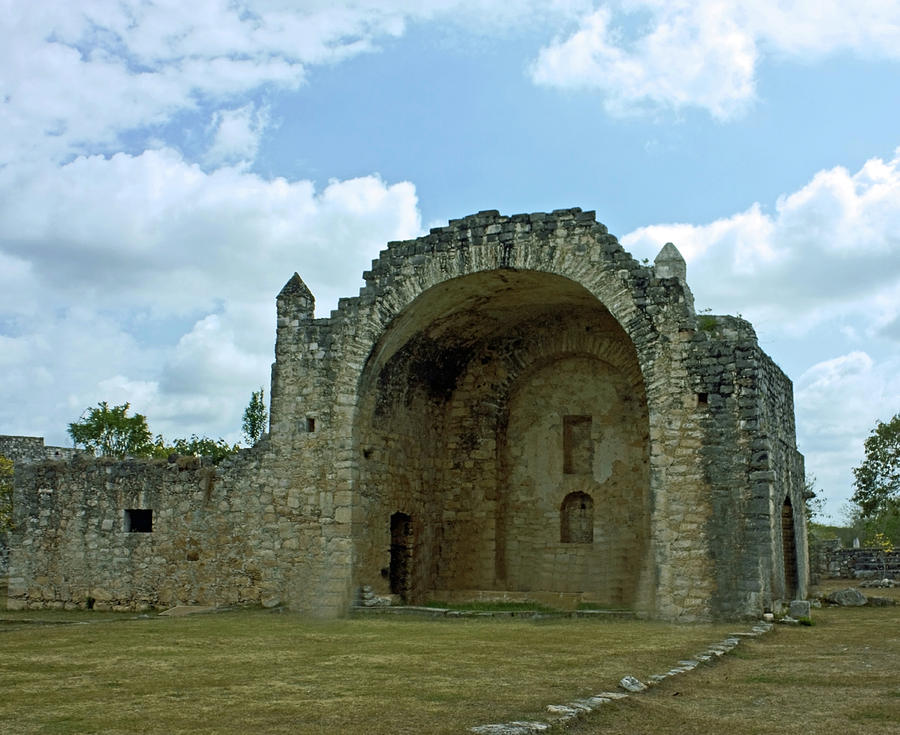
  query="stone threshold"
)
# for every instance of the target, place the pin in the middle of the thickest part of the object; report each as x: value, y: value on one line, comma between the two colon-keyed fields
x: 443, y: 612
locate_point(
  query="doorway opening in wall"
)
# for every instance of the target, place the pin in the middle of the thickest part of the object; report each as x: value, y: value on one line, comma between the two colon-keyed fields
x: 789, y: 549
x: 401, y: 554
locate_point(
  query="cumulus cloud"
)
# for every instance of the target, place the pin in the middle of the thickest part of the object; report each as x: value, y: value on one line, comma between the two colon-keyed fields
x: 838, y: 402
x: 830, y: 248
x: 74, y: 77
x: 692, y: 57
x: 82, y: 74
x: 236, y: 135
x: 134, y: 227
x: 174, y: 271
x: 652, y: 54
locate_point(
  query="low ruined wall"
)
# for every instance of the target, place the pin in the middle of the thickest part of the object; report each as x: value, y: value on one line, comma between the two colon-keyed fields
x: 862, y: 563
x: 22, y: 449
x: 135, y: 534
x: 120, y: 535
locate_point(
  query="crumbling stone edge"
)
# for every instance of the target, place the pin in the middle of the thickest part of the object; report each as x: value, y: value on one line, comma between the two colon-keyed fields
x: 561, y: 713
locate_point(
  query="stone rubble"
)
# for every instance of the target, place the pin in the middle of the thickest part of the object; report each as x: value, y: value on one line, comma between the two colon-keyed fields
x: 630, y: 684
x: 880, y: 583
x: 849, y: 597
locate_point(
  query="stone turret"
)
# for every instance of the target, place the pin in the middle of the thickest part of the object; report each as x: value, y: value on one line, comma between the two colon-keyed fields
x: 670, y: 264
x: 295, y: 302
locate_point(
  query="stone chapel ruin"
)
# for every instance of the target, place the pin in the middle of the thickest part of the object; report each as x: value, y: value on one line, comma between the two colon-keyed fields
x: 512, y: 407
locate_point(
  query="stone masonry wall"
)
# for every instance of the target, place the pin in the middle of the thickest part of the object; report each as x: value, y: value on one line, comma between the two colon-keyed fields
x: 511, y: 403
x: 430, y: 308
x: 23, y: 449
x: 859, y: 563
x: 31, y: 449
x: 750, y: 463
x: 236, y: 533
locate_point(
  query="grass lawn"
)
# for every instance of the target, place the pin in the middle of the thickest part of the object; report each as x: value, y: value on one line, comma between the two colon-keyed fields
x: 263, y: 672
x: 840, y: 676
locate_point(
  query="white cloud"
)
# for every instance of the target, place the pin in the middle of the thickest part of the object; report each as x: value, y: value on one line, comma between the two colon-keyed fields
x: 704, y: 53
x: 690, y: 57
x: 831, y: 248
x: 75, y: 76
x: 236, y: 135
x: 838, y: 402
x: 149, y: 244
x: 134, y: 227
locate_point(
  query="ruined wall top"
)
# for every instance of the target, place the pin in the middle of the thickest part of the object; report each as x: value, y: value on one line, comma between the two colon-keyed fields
x: 489, y: 240
x: 26, y: 449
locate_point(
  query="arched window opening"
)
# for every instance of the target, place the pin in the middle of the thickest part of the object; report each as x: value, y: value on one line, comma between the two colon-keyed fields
x: 789, y: 549
x: 577, y: 519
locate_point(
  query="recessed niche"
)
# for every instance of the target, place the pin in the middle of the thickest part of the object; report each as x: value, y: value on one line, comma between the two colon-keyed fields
x: 578, y: 449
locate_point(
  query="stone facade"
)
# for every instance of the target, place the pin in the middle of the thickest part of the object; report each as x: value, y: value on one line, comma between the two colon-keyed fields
x: 512, y: 406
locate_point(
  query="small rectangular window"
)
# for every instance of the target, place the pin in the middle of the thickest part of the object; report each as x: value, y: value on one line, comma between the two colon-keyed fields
x: 703, y: 399
x: 310, y: 424
x: 138, y: 520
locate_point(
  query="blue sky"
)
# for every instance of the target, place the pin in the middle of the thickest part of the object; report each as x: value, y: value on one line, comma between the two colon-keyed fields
x: 165, y: 167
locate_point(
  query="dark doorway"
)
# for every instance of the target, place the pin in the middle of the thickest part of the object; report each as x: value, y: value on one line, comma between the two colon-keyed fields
x: 401, y: 554
x: 789, y: 549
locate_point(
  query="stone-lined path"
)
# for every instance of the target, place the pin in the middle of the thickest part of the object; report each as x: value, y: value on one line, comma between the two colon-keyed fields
x: 559, y: 713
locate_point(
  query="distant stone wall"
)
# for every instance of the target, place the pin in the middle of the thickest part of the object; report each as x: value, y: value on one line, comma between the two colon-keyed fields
x: 31, y: 449
x: 861, y: 563
x: 24, y: 449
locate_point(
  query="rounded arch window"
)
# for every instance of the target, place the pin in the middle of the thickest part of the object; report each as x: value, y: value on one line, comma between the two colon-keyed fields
x: 577, y: 519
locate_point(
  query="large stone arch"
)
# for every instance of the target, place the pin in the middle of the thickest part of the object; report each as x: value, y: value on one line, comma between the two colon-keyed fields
x: 447, y: 396
x: 396, y: 406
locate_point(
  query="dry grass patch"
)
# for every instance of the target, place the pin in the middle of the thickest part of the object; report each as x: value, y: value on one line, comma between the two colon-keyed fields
x: 255, y: 671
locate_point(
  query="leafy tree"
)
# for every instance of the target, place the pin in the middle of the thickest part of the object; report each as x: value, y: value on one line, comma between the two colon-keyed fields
x: 255, y: 417
x: 877, y: 480
x: 6, y: 492
x: 814, y: 505
x: 203, y: 446
x: 110, y: 432
x: 196, y: 446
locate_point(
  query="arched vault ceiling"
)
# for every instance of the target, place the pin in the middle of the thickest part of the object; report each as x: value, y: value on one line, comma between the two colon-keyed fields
x: 469, y: 310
